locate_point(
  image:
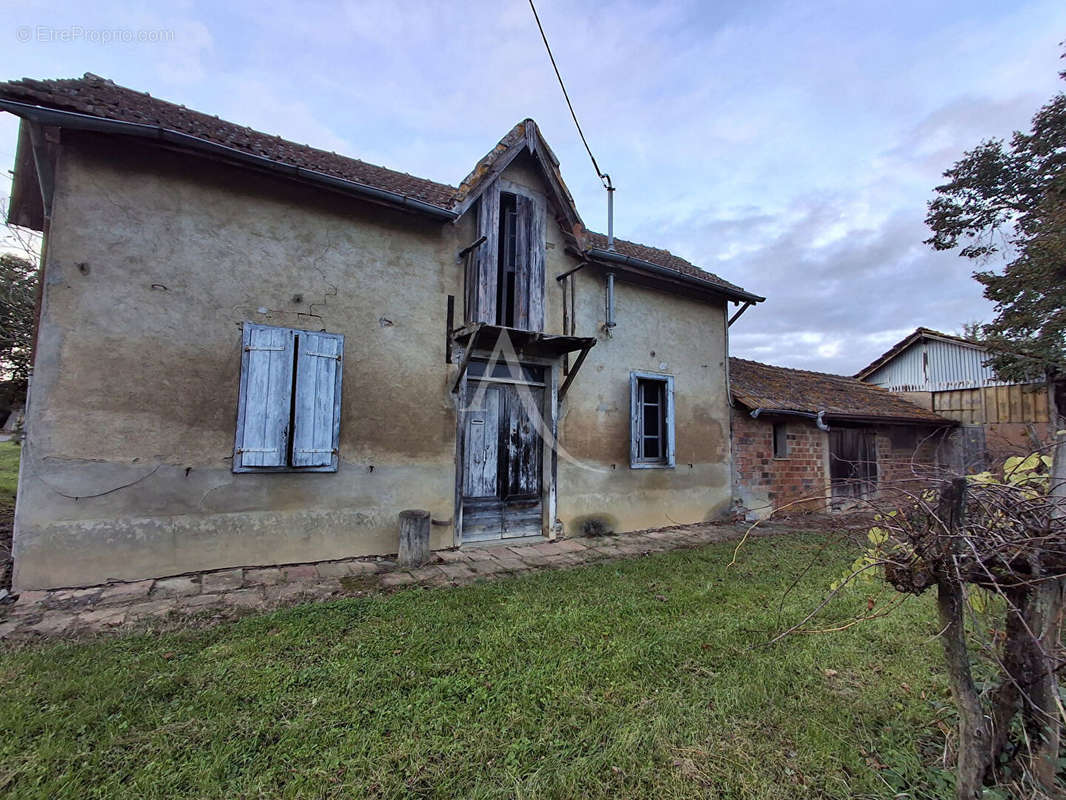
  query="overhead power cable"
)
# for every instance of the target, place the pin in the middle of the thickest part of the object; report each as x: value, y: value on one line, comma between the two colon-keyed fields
x: 603, y: 176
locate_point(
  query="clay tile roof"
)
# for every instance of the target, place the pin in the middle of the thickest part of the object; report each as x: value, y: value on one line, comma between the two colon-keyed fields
x: 781, y: 389
x: 661, y: 258
x: 907, y: 341
x: 525, y: 131
x: 484, y: 166
x: 100, y: 97
x: 103, y: 98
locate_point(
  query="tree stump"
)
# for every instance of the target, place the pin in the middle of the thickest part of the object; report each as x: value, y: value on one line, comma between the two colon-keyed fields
x: 414, y: 538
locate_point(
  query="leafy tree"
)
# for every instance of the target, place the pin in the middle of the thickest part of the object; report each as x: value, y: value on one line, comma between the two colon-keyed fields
x: 18, y: 289
x: 1009, y: 200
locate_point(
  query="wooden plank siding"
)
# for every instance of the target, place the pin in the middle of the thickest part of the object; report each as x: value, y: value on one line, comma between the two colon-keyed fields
x: 481, y: 442
x: 1018, y: 403
x: 486, y: 256
x: 534, y: 224
x: 524, y: 444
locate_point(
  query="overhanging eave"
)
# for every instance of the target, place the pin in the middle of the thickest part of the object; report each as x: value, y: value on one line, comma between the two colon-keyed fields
x: 482, y: 337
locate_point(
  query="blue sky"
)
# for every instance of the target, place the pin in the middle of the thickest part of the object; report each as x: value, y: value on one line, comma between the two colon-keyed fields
x: 788, y: 147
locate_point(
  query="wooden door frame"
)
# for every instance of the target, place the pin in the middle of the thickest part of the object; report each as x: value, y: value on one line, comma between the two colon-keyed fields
x: 549, y: 460
x: 869, y: 484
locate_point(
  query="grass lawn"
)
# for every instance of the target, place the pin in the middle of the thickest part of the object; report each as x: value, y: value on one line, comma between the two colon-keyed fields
x: 9, y: 473
x: 635, y: 679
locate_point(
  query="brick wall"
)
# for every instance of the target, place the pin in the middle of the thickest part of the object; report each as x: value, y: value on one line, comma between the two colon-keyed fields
x: 905, y: 456
x: 764, y: 483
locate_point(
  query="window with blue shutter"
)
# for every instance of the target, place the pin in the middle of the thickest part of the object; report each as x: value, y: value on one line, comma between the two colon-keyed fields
x: 288, y: 416
x: 651, y: 437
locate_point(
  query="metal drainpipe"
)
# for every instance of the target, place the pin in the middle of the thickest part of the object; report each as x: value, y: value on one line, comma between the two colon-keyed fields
x: 610, y: 300
x: 819, y: 418
x: 610, y: 214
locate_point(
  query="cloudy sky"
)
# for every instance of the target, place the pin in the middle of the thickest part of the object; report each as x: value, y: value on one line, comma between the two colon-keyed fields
x: 789, y: 147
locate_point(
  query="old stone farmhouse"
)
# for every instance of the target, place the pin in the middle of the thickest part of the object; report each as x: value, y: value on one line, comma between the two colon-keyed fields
x: 254, y: 352
x: 811, y: 441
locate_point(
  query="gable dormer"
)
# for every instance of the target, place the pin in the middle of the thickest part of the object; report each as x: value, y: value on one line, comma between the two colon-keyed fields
x: 505, y: 272
x: 506, y: 283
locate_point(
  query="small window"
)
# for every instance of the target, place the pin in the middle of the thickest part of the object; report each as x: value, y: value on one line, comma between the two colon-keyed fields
x: 507, y: 263
x: 780, y: 440
x: 288, y: 415
x: 652, y: 420
x: 903, y: 437
x: 506, y: 371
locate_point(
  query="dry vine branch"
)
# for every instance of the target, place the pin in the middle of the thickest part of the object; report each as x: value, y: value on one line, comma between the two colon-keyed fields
x: 994, y: 547
x: 1003, y: 539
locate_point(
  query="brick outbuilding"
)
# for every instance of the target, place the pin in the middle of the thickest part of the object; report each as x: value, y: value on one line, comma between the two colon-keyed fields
x: 811, y: 441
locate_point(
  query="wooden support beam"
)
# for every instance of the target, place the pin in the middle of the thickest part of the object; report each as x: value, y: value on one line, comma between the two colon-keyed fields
x: 573, y: 371
x: 467, y: 352
x: 736, y: 316
x: 448, y: 330
x: 470, y: 247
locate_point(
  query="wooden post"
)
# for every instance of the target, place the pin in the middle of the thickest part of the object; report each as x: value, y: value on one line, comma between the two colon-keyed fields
x: 1046, y: 622
x: 414, y: 538
x: 974, y: 733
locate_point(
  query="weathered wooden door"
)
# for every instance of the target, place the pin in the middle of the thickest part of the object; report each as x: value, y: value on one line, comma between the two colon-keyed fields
x: 502, y: 461
x: 852, y: 463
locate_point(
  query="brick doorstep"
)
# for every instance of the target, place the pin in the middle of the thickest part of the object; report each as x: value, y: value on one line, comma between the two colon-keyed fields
x: 224, y: 593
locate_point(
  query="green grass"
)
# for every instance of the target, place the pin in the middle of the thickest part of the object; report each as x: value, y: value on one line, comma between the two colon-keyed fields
x: 9, y: 473
x: 636, y: 679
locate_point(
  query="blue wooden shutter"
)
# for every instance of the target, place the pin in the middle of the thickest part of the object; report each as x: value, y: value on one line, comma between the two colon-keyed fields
x: 316, y: 412
x: 486, y: 257
x: 668, y: 440
x: 265, y: 397
x: 634, y: 419
x: 668, y: 398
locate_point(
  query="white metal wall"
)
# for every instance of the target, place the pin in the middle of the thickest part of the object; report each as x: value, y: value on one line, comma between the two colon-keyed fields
x: 935, y: 365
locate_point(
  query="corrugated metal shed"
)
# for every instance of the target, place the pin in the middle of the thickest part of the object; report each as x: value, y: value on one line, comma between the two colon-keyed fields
x: 934, y: 364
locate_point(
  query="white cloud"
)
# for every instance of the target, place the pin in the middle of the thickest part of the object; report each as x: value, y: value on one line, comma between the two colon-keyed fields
x: 789, y: 147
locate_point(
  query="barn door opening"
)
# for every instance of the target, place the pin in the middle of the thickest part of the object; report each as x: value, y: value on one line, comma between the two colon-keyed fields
x: 502, y: 454
x: 852, y: 464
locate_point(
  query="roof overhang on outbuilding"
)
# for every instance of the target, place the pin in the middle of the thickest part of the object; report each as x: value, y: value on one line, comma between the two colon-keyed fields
x: 871, y: 419
x: 840, y: 418
x: 27, y: 208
